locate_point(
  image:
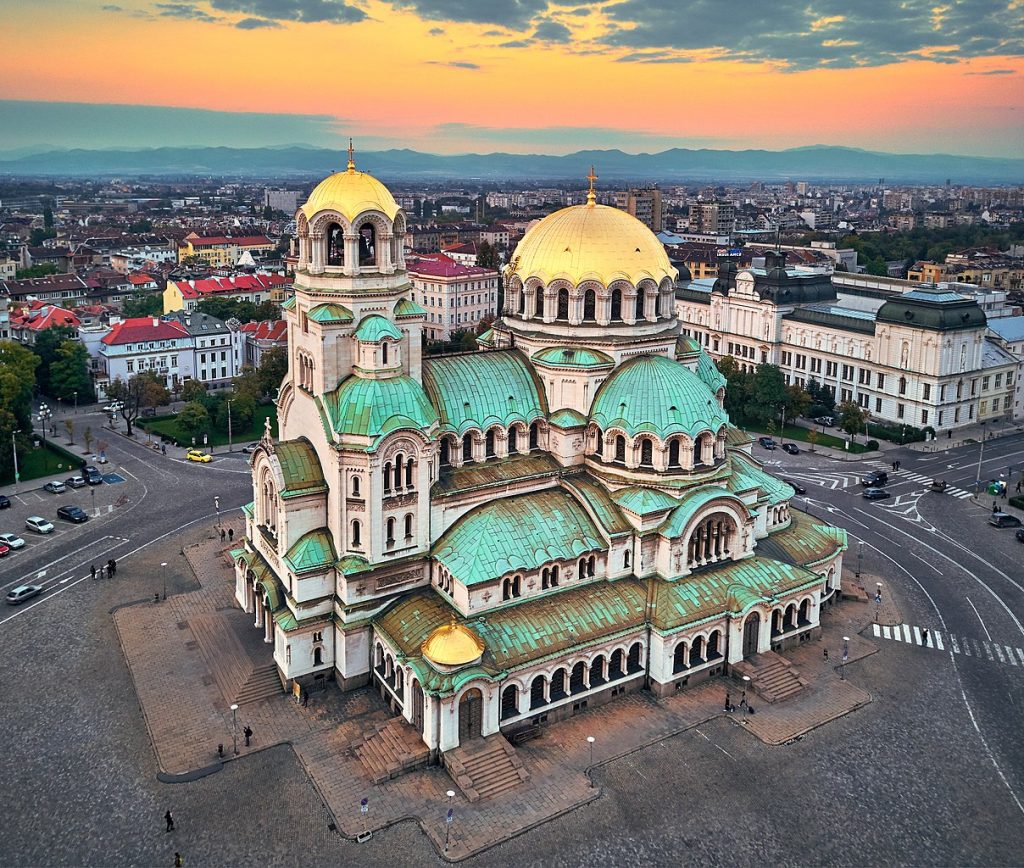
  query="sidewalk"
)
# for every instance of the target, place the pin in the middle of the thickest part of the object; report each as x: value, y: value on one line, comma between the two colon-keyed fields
x: 972, y: 434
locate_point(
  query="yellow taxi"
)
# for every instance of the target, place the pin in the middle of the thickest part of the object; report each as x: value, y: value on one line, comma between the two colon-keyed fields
x: 198, y: 455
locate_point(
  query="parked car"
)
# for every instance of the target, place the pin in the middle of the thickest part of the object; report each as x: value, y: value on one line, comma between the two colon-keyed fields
x: 4, y: 550
x: 875, y: 478
x: 766, y: 442
x: 38, y: 524
x: 92, y: 475
x: 55, y: 487
x: 22, y: 593
x: 113, y: 408
x: 248, y: 450
x: 198, y: 455
x: 1003, y: 519
x: 75, y: 482
x: 12, y: 540
x: 791, y: 448
x: 796, y: 486
x: 827, y: 421
x: 72, y: 513
x: 5, y: 501
x: 875, y: 493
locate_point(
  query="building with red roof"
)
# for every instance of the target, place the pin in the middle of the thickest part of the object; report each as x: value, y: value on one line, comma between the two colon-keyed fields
x: 257, y: 288
x: 457, y: 297
x: 28, y: 321
x: 261, y: 337
x: 222, y: 250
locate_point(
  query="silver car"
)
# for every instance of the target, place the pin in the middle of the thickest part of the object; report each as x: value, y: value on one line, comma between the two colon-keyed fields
x: 12, y: 540
x: 22, y: 593
x: 38, y: 524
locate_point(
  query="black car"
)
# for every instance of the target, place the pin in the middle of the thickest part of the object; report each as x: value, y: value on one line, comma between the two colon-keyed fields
x: 1003, y: 519
x: 875, y: 478
x: 875, y: 493
x: 796, y: 486
x: 92, y: 475
x: 791, y: 448
x: 766, y: 442
x: 5, y: 501
x: 72, y: 513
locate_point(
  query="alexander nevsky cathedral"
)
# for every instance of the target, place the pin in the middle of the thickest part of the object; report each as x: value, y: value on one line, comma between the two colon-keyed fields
x: 499, y: 539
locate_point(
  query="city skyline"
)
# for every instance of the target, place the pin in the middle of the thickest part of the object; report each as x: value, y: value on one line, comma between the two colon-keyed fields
x: 449, y: 76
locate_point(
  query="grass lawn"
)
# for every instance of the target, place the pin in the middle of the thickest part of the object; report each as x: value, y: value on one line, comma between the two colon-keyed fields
x: 167, y: 426
x: 800, y: 434
x: 34, y: 463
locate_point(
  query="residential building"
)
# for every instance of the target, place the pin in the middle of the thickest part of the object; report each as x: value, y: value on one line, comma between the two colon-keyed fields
x: 281, y: 200
x: 644, y: 204
x: 222, y: 250
x: 1008, y: 332
x: 455, y: 297
x: 218, y: 347
x: 67, y: 289
x: 27, y: 321
x: 260, y: 337
x: 256, y: 288
x: 140, y: 344
x: 8, y: 269
x: 713, y: 218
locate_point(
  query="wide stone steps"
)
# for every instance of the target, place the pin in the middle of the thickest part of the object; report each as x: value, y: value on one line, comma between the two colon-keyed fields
x: 391, y: 749
x: 227, y: 659
x: 263, y: 683
x: 771, y: 676
x: 484, y: 768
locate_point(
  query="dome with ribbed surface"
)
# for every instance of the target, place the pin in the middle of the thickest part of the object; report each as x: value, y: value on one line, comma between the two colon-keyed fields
x: 350, y: 193
x: 590, y: 242
x: 657, y: 395
x: 453, y: 645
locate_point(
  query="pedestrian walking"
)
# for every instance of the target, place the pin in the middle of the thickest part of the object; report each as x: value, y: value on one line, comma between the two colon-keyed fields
x: 178, y: 861
x: 92, y: 570
x: 111, y: 568
x: 247, y: 732
x: 824, y: 654
x: 995, y: 506
x: 223, y: 534
x: 231, y: 534
x: 170, y: 821
x: 924, y: 633
x: 102, y: 570
x: 305, y: 698
x: 728, y: 703
x: 1018, y: 486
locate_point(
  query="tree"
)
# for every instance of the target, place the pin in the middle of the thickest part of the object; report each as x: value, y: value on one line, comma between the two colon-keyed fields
x: 154, y: 394
x: 487, y: 257
x: 247, y: 383
x: 797, y: 401
x: 144, y: 305
x: 768, y: 393
x: 851, y: 417
x: 272, y: 370
x: 48, y: 217
x: 37, y: 236
x: 193, y: 418
x: 193, y: 390
x: 226, y: 308
x: 41, y: 270
x: 131, y: 394
x: 267, y: 310
x: 812, y: 438
x: 69, y: 426
x: 141, y: 225
x: 87, y: 437
x: 738, y: 391
x: 17, y: 377
x: 47, y: 347
x: 69, y: 375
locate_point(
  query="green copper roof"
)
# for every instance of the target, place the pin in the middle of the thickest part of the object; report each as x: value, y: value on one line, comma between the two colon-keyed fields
x: 746, y: 475
x: 737, y: 436
x: 407, y: 307
x: 642, y: 501
x: 709, y: 374
x: 730, y: 587
x: 572, y: 357
x: 568, y: 418
x: 312, y: 551
x: 515, y: 467
x: 692, y: 501
x: 300, y: 467
x: 288, y: 304
x: 486, y: 339
x: 805, y: 542
x: 476, y: 390
x: 331, y: 313
x: 374, y: 408
x: 687, y: 346
x: 516, y: 533
x: 595, y: 496
x: 374, y: 328
x: 659, y: 395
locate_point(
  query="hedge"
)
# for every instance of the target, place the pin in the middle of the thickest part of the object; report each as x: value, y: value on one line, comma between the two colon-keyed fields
x: 1018, y: 502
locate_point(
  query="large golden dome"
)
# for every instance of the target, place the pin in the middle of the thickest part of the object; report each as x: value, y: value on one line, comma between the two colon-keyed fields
x: 453, y: 645
x: 590, y: 242
x: 350, y: 193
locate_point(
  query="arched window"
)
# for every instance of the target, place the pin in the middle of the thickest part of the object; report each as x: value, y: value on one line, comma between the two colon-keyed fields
x: 697, y: 651
x: 589, y: 306
x: 804, y: 616
x: 408, y: 472
x: 545, y: 579
x: 356, y: 533
x: 646, y: 453
x: 513, y: 441
x: 616, y: 315
x: 598, y: 438
x: 625, y: 559
x: 537, y: 686
x: 534, y: 436
x: 367, y: 244
x: 408, y: 526
x: 318, y: 656
x: 506, y: 589
x: 597, y: 671
x: 698, y: 451
x: 390, y: 538
x: 517, y: 586
x: 638, y: 311
x: 335, y: 245
x: 489, y: 444
x: 673, y: 453
x: 355, y: 486
x: 591, y: 565
x: 563, y: 305
x: 616, y: 665
x: 538, y: 301
x: 446, y: 452
x: 577, y: 678
x: 387, y: 477
x: 384, y: 352
x: 522, y: 302
x: 467, y: 447
x: 554, y: 576
x: 620, y: 450
x: 679, y: 658
x: 635, y: 659
x: 509, y: 702
x: 399, y: 460
x: 713, y: 642
x: 581, y: 568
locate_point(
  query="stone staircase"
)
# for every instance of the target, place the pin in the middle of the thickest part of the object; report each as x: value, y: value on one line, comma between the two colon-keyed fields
x: 771, y: 676
x: 391, y: 749
x: 485, y: 767
x: 238, y: 678
x: 262, y: 683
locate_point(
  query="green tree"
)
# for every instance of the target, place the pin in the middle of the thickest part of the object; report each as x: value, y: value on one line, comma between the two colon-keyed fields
x: 47, y: 347
x: 41, y: 270
x: 851, y: 417
x: 268, y: 213
x: 87, y: 438
x: 798, y: 401
x: 144, y: 305
x: 738, y: 390
x: 17, y: 376
x: 768, y: 393
x: 267, y: 310
x: 48, y: 217
x: 487, y: 257
x: 243, y: 411
x: 69, y: 374
x: 193, y: 418
x: 193, y: 390
x: 140, y: 225
x: 226, y: 308
x: 69, y: 426
x: 8, y: 425
x: 247, y: 383
x: 37, y: 236
x: 272, y: 370
x: 131, y: 395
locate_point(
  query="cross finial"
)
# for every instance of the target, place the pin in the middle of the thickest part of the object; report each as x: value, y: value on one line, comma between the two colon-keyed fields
x: 266, y: 428
x: 351, y: 156
x: 591, y: 197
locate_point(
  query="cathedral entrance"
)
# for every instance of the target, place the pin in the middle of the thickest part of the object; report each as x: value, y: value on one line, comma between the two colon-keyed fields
x: 417, y: 707
x: 471, y: 715
x: 751, y: 632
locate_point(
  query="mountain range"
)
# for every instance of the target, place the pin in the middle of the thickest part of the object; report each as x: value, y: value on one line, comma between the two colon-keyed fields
x: 812, y: 163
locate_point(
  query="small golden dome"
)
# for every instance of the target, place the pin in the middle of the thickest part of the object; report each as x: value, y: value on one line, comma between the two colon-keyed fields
x: 452, y: 645
x: 350, y: 193
x: 591, y: 242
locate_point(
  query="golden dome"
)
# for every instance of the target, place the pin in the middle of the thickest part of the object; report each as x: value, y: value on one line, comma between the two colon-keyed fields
x: 350, y: 193
x: 452, y: 645
x: 590, y: 242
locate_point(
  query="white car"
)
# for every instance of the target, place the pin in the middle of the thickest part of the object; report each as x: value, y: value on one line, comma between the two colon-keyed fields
x: 12, y: 540
x: 38, y: 524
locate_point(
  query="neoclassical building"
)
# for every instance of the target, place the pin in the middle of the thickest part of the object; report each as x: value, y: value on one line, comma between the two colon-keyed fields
x: 502, y: 538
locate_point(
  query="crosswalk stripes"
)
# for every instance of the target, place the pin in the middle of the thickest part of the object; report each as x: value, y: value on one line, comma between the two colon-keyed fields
x: 965, y: 645
x: 914, y: 476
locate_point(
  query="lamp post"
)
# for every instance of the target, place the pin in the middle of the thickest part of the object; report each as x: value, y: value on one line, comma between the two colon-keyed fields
x: 590, y: 741
x: 743, y: 700
x: 234, y: 727
x: 95, y: 509
x: 163, y: 573
x: 448, y: 819
x: 216, y: 506
x: 230, y: 449
x: 860, y: 556
x: 846, y: 657
x: 76, y: 403
x: 45, y: 414
x: 14, y: 450
x: 981, y: 453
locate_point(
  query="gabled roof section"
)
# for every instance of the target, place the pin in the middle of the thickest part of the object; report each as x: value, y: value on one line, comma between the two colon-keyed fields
x: 805, y: 543
x: 375, y: 328
x: 332, y: 312
x: 300, y: 467
x: 288, y: 304
x: 522, y: 532
x: 641, y: 500
x: 692, y: 501
x: 407, y: 307
x: 568, y: 418
x: 596, y: 498
x: 476, y: 390
x: 312, y: 551
x: 374, y: 408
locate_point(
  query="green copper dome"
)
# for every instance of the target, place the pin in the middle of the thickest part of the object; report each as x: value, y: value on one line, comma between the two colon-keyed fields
x: 932, y: 308
x: 572, y: 357
x: 371, y: 408
x: 709, y: 374
x: 374, y: 328
x: 658, y: 395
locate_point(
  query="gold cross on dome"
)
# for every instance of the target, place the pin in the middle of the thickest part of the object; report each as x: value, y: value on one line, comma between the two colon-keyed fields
x: 351, y: 156
x: 591, y: 177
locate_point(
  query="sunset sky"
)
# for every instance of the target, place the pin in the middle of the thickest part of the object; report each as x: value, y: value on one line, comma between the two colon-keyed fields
x: 451, y: 76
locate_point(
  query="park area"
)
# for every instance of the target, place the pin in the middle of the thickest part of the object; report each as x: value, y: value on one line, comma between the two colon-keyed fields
x: 169, y: 428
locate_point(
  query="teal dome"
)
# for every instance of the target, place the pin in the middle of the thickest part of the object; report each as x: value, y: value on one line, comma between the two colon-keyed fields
x: 374, y: 408
x: 658, y: 395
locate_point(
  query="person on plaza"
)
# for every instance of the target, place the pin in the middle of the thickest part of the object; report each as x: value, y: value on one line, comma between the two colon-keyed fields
x: 824, y: 653
x: 728, y: 703
x: 305, y: 698
x: 247, y: 732
x: 223, y: 534
x: 92, y: 570
x: 111, y: 567
x: 178, y: 861
x: 231, y: 534
x: 103, y: 568
x: 995, y: 507
x: 1018, y: 486
x: 924, y: 633
x: 169, y: 820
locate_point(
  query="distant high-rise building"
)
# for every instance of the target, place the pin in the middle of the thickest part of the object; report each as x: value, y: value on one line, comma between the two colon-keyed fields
x: 281, y: 200
x: 712, y: 218
x: 644, y: 204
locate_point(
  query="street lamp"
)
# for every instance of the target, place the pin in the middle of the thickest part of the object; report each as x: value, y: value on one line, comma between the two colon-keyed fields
x: 846, y: 657
x: 216, y: 506
x: 860, y: 555
x: 14, y: 450
x: 95, y: 508
x: 234, y: 726
x: 76, y: 403
x: 743, y: 700
x: 163, y: 572
x: 981, y: 452
x: 590, y: 741
x: 45, y: 414
x: 448, y: 819
x: 230, y: 448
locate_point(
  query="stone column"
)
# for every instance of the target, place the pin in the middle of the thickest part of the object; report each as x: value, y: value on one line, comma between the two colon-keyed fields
x: 575, y: 307
x: 317, y: 242
x: 268, y: 628
x: 650, y: 306
x: 629, y: 307
x: 351, y: 255
x: 604, y: 308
